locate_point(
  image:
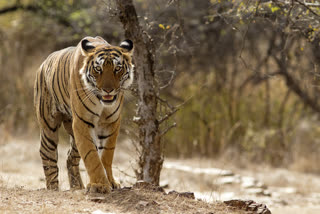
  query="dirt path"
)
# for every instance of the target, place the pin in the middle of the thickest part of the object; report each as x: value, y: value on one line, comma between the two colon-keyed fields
x: 22, y: 183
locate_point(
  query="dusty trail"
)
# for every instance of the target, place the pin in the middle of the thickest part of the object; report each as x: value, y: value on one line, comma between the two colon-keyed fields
x: 281, y: 190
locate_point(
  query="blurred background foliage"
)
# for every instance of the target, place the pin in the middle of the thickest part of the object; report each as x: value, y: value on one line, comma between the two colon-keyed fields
x: 244, y: 74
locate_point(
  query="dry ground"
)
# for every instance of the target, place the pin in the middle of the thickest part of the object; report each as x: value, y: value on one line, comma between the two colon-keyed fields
x: 22, y: 186
x: 19, y: 200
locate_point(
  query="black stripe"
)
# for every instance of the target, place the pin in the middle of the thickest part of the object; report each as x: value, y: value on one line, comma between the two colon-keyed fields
x: 64, y: 76
x: 43, y: 117
x: 54, y: 92
x: 85, y: 91
x: 122, y: 72
x: 88, y: 139
x: 86, y: 122
x: 37, y: 87
x: 104, y: 50
x: 115, y: 50
x: 45, y: 146
x: 101, y: 137
x: 85, y: 157
x: 102, y: 147
x: 50, y: 140
x: 76, y: 156
x: 59, y: 86
x: 74, y: 147
x: 54, y: 74
x: 47, y: 158
x: 41, y: 77
x: 88, y: 109
x: 87, y: 75
x: 114, y: 54
x: 49, y: 167
x: 52, y: 173
x: 114, y: 121
x: 68, y: 70
x: 115, y: 110
x: 49, y: 65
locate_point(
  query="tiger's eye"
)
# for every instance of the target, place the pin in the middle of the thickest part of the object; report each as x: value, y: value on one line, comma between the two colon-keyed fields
x: 98, y: 69
x: 118, y: 68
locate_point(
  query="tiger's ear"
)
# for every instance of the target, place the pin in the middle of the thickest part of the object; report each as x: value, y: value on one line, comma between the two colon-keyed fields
x: 86, y: 47
x: 127, y: 46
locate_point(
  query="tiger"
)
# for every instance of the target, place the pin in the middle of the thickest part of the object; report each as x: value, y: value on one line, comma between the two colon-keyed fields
x: 83, y: 88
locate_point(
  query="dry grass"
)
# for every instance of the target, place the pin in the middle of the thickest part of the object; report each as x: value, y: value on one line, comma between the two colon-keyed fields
x: 19, y: 200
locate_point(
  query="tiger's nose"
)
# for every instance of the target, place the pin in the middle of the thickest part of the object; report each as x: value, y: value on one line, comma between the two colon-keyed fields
x: 108, y: 90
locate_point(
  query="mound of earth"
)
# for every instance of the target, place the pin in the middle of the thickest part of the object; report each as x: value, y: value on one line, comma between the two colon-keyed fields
x: 141, y: 198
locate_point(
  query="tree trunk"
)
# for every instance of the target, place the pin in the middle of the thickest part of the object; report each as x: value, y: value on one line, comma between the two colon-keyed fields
x: 151, y: 159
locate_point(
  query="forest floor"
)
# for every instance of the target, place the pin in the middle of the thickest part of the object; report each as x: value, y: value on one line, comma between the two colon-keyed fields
x: 212, y: 182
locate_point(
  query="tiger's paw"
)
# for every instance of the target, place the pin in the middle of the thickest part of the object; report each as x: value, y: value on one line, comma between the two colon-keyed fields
x: 114, y: 184
x: 53, y: 186
x: 98, y: 188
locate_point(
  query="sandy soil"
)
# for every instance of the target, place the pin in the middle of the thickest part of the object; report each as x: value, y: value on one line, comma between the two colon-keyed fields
x: 22, y: 186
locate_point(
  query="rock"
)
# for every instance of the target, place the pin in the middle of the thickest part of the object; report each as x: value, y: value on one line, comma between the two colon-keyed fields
x: 251, y: 206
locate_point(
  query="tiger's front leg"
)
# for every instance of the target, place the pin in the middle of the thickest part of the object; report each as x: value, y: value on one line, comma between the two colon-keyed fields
x: 99, y: 183
x: 107, y: 156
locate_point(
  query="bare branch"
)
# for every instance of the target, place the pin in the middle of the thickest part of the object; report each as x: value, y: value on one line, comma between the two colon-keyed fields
x: 123, y: 172
x: 167, y: 129
x: 307, y: 7
x: 173, y: 74
x: 16, y: 7
x: 167, y: 116
x: 165, y: 102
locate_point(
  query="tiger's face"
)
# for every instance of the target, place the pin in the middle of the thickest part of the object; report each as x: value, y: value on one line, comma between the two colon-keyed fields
x: 107, y: 70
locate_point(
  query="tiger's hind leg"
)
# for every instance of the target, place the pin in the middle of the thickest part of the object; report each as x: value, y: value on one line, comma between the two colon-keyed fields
x: 49, y: 119
x: 49, y: 156
x: 73, y: 160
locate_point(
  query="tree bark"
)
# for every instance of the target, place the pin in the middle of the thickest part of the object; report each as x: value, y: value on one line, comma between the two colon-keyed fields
x: 151, y: 159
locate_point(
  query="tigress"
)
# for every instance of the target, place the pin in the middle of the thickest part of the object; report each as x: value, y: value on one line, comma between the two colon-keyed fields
x: 83, y: 88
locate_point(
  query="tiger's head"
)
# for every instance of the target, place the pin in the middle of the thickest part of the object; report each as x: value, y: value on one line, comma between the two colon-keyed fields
x: 107, y: 69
